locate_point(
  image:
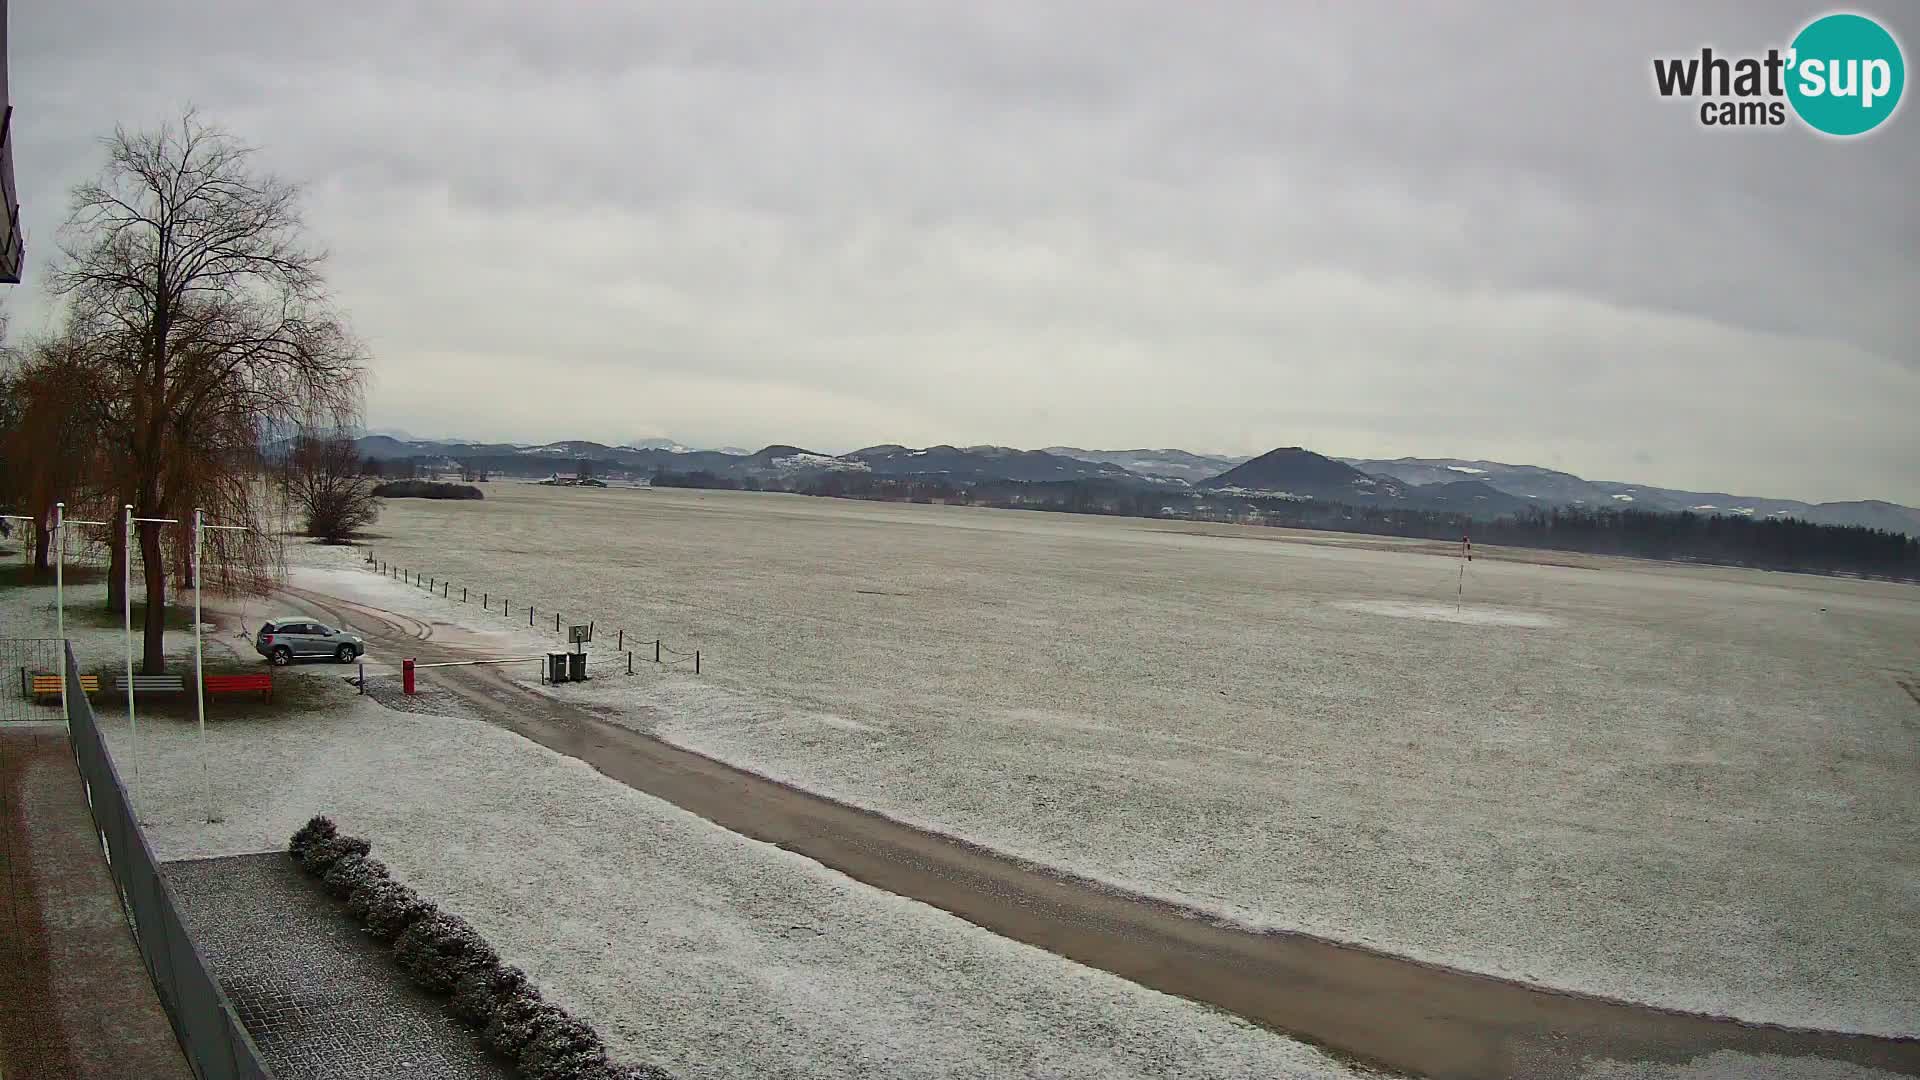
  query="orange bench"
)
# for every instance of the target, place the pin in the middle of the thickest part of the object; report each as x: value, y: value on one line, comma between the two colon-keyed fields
x: 49, y: 685
x: 240, y: 684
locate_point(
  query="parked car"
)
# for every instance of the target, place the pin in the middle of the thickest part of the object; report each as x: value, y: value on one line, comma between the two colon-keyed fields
x: 284, y: 640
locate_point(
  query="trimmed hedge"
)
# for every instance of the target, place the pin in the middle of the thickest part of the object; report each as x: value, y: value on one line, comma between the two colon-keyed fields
x: 349, y: 872
x: 387, y: 908
x: 443, y: 954
x: 439, y: 948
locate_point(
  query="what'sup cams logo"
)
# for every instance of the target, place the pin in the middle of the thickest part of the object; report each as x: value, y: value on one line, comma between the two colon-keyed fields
x: 1842, y: 76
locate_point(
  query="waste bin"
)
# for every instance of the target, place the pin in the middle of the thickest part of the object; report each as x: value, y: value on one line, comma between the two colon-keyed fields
x: 556, y: 667
x: 577, y: 666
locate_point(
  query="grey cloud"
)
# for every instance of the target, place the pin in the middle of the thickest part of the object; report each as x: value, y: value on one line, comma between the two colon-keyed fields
x: 1377, y: 229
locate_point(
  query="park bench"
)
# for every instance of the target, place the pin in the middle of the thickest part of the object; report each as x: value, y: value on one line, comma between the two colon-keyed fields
x: 241, y: 684
x: 152, y: 684
x: 49, y: 685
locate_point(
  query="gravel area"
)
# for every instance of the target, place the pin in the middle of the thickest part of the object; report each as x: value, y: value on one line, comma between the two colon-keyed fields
x: 322, y: 1000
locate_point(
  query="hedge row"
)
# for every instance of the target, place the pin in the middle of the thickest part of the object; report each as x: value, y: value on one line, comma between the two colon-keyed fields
x: 444, y: 955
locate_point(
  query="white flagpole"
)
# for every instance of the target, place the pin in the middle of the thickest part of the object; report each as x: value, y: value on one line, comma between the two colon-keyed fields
x: 126, y: 621
x: 126, y: 615
x: 199, y: 679
x: 60, y: 523
x: 60, y: 602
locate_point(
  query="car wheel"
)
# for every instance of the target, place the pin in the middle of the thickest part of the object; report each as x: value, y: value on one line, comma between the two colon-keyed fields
x: 344, y: 654
x: 282, y: 656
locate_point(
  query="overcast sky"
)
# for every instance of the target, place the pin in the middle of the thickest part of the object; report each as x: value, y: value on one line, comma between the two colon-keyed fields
x: 1372, y: 230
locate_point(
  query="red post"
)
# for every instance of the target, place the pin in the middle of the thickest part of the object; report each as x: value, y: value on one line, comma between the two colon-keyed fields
x: 406, y: 675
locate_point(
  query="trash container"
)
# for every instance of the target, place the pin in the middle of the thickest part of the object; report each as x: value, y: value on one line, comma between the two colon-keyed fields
x: 577, y: 666
x: 556, y: 667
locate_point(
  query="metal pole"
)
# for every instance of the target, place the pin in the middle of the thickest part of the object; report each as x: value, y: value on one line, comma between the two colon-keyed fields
x: 60, y: 602
x: 126, y: 618
x: 620, y: 642
x: 656, y: 650
x: 199, y: 678
x: 696, y: 661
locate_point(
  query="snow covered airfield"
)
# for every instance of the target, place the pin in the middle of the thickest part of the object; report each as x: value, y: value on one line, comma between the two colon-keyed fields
x: 1689, y: 787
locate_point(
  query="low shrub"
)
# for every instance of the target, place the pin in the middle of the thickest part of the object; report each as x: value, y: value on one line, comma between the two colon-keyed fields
x: 439, y: 948
x: 443, y: 954
x: 478, y: 992
x: 349, y: 872
x: 516, y: 1017
x: 387, y: 908
x: 562, y: 1048
x: 315, y: 830
x: 322, y: 854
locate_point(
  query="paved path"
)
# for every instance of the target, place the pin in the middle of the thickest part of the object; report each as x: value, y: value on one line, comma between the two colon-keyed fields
x: 1376, y: 1009
x: 75, y: 997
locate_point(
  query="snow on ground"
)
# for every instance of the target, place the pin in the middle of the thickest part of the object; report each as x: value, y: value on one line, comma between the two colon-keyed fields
x: 1731, y: 1065
x: 1693, y: 788
x: 685, y: 944
x: 1468, y: 614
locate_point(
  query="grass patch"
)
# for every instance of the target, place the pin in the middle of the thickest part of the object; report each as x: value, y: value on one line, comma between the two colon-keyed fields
x: 19, y: 574
x: 178, y: 617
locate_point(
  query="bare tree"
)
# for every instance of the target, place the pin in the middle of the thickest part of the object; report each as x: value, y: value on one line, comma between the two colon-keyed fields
x: 189, y: 277
x: 47, y: 441
x: 324, y: 480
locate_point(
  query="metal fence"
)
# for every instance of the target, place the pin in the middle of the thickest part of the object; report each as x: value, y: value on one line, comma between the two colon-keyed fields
x: 216, y: 1043
x: 21, y: 659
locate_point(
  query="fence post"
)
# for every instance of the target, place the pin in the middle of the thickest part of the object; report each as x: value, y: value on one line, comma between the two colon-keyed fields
x: 529, y: 614
x: 363, y: 678
x: 696, y: 661
x: 485, y: 600
x: 556, y: 622
x: 620, y: 645
x: 629, y: 663
x: 656, y: 650
x: 444, y: 587
x: 463, y: 594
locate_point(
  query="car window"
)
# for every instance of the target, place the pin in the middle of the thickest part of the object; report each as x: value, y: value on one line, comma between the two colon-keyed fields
x: 320, y: 628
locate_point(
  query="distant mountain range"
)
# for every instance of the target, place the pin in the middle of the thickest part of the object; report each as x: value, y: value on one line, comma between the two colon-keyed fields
x: 1485, y: 489
x: 1547, y: 486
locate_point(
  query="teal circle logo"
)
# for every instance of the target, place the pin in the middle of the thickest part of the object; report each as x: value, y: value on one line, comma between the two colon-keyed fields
x: 1845, y: 74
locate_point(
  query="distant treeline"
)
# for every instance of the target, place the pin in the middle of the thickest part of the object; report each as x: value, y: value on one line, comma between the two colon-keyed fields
x: 426, y: 489
x: 1766, y: 543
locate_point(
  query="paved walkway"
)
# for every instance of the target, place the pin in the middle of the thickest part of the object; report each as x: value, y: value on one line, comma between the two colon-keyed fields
x: 75, y: 998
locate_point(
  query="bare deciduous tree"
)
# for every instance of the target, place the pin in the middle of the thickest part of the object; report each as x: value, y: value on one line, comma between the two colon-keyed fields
x: 189, y: 276
x: 323, y: 479
x: 48, y: 441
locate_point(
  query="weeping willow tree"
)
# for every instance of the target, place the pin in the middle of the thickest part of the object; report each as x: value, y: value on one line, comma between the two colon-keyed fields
x: 204, y: 316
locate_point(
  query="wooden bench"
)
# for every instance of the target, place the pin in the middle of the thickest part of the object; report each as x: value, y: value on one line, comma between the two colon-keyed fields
x: 49, y: 685
x: 152, y: 684
x: 241, y: 684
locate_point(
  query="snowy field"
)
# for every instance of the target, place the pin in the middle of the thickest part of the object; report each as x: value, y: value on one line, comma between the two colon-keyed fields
x: 1685, y: 786
x: 684, y: 944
